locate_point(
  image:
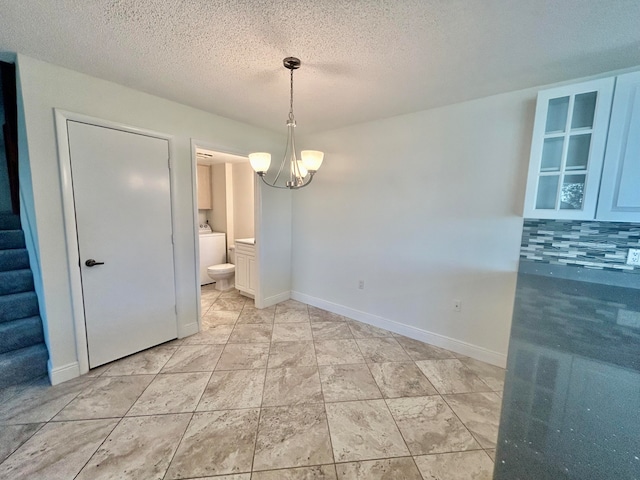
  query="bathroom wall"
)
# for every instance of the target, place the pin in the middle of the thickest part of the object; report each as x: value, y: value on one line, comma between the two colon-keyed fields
x: 595, y: 245
x: 203, y: 214
x: 243, y: 200
x: 218, y: 214
x: 233, y: 200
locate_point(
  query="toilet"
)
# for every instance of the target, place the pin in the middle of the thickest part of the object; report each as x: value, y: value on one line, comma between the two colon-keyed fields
x: 223, y: 274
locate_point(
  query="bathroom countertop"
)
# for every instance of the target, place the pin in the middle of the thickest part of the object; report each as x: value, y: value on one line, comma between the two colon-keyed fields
x: 571, y: 405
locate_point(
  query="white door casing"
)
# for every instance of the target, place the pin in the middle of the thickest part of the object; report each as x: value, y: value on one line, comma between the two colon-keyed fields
x: 225, y: 149
x: 117, y: 189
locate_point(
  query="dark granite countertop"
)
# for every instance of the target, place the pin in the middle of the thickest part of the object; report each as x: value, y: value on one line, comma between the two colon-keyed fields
x: 580, y: 274
x: 571, y: 407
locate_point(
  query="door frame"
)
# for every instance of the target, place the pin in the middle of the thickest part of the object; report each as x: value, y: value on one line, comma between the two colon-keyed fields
x: 257, y: 215
x: 70, y: 221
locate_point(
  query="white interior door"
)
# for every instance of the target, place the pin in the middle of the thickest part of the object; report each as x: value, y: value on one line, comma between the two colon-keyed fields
x: 122, y: 200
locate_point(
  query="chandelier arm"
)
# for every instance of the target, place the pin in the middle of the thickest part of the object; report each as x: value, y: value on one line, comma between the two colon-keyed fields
x: 304, y: 184
x: 272, y: 184
x: 288, y: 187
x: 284, y: 158
x: 295, y: 169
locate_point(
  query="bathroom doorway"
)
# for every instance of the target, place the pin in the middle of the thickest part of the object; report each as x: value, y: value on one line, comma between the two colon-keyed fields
x: 226, y: 199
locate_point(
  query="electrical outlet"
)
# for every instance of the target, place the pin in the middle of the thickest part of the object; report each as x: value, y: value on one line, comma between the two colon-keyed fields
x: 361, y: 284
x: 457, y: 305
x: 633, y: 257
x: 628, y: 318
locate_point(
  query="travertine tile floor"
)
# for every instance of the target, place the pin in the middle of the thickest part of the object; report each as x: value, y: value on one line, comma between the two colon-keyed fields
x: 289, y: 392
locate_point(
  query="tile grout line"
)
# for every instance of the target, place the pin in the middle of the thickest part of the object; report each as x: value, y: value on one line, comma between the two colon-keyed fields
x: 441, y: 395
x: 194, y: 409
x: 193, y: 414
x: 442, y: 398
x: 386, y: 404
x: 26, y: 440
x: 475, y: 374
x: 324, y: 402
x: 460, y: 420
x: 264, y: 384
x: 98, y: 447
x: 198, y: 404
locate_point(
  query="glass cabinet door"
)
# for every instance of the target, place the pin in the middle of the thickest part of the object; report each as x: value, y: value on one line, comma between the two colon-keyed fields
x: 567, y: 150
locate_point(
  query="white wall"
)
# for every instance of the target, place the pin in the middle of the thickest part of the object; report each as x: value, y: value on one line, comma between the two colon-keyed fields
x: 425, y: 208
x: 273, y: 242
x: 5, y: 195
x: 228, y: 202
x: 43, y: 87
x: 218, y: 213
x: 243, y: 200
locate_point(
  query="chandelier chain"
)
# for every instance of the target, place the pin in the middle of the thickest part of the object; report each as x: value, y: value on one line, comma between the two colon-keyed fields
x: 291, y: 99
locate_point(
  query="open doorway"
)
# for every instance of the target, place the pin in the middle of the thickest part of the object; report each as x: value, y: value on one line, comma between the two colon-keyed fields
x: 225, y: 214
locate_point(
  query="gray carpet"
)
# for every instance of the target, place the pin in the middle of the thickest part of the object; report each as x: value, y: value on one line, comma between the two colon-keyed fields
x: 23, y: 354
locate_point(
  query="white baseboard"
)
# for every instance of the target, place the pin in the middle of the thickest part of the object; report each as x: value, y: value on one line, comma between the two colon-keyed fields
x: 281, y: 297
x: 188, y: 329
x: 62, y: 374
x: 458, y: 346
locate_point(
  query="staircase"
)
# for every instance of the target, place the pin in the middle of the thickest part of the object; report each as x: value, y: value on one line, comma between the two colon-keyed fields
x: 23, y: 354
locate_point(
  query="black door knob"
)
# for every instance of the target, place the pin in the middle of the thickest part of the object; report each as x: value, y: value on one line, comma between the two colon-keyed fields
x: 92, y: 263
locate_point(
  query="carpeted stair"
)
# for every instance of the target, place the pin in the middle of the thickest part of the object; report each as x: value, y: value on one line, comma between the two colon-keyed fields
x: 23, y: 354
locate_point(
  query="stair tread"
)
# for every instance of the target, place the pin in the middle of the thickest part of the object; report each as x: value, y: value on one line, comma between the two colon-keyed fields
x: 15, y: 281
x: 23, y: 365
x: 18, y: 270
x: 39, y: 347
x: 14, y: 306
x: 4, y: 326
x: 10, y: 239
x: 9, y: 221
x: 10, y: 296
x: 21, y: 333
x: 14, y: 259
x: 23, y: 351
x: 30, y: 317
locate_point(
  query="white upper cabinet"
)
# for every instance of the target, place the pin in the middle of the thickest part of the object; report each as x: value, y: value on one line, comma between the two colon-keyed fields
x: 567, y: 150
x: 620, y: 186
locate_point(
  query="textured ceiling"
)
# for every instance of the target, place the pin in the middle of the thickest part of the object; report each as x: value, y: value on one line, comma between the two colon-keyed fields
x: 362, y: 59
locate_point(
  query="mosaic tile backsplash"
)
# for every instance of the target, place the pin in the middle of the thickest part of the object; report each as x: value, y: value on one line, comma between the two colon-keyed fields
x: 596, y: 245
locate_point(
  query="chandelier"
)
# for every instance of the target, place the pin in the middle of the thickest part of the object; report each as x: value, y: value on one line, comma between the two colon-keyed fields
x: 299, y: 173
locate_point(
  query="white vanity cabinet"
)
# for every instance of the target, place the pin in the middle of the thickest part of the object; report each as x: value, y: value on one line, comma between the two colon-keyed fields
x: 246, y: 275
x: 567, y: 150
x: 585, y: 152
x: 620, y: 186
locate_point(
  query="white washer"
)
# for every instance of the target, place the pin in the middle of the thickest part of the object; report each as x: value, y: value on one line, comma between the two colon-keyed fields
x: 213, y: 251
